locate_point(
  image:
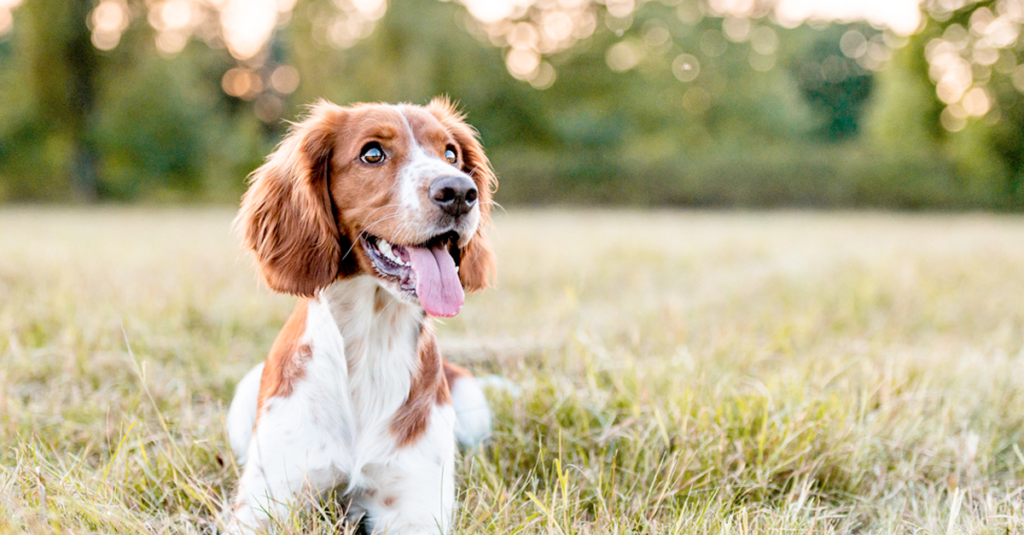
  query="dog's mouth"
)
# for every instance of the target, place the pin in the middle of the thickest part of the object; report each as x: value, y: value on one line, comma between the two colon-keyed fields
x: 429, y: 271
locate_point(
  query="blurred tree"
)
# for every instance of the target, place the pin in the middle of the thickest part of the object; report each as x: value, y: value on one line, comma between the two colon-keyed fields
x: 904, y: 115
x: 833, y: 83
x: 1007, y: 140
x: 62, y: 68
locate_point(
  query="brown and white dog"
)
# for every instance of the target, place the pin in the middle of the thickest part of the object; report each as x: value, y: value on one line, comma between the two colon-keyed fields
x: 376, y: 216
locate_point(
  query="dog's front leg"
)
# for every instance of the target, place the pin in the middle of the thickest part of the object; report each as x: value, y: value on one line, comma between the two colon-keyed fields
x: 414, y: 493
x: 290, y: 460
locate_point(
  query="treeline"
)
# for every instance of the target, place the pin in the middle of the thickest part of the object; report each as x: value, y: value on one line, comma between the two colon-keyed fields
x: 665, y: 111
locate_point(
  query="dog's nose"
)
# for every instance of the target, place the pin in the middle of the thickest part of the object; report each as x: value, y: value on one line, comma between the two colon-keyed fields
x: 456, y: 195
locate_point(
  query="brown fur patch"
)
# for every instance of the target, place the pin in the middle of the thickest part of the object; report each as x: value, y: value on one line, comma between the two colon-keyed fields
x: 453, y: 372
x: 390, y: 501
x: 287, y: 360
x: 380, y: 300
x: 288, y: 215
x: 429, y: 389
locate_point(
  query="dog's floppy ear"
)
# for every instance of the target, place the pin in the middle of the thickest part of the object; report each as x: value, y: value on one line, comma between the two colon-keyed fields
x: 477, y: 268
x: 287, y: 216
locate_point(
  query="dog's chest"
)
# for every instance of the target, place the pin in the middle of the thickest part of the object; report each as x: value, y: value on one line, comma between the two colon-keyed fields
x: 360, y: 374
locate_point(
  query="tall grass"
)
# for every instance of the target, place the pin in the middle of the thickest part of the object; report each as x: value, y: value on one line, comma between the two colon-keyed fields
x: 674, y: 373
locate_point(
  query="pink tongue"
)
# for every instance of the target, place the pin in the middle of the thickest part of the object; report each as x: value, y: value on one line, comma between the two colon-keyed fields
x: 437, y: 281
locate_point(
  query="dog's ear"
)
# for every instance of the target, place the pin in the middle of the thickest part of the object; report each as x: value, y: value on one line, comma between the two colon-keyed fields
x: 477, y: 268
x: 287, y: 216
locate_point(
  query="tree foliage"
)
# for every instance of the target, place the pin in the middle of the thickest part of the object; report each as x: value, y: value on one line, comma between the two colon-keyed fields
x: 669, y: 103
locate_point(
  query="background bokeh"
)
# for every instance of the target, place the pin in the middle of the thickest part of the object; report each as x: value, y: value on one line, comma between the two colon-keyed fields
x: 752, y: 103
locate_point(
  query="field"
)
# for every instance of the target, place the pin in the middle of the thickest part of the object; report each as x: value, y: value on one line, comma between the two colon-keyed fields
x: 674, y: 372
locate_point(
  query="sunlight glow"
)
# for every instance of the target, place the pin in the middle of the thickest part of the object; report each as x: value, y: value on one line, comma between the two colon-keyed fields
x: 522, y: 63
x: 171, y: 42
x: 961, y: 60
x: 7, y: 15
x: 901, y: 16
x: 108, y: 20
x: 491, y: 11
x: 6, y: 21
x: 248, y: 25
x: 176, y: 14
x: 353, y: 21
x: 532, y: 29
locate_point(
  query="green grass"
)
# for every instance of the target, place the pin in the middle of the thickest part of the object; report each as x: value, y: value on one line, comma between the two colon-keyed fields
x: 679, y: 373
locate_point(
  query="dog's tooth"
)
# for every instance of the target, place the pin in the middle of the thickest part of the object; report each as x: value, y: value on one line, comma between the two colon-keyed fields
x: 386, y: 249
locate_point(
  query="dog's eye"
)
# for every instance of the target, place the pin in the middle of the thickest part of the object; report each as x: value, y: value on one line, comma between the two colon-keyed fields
x: 372, y: 153
x: 450, y: 156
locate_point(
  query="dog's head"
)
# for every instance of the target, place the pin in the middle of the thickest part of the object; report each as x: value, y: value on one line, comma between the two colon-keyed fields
x: 401, y: 193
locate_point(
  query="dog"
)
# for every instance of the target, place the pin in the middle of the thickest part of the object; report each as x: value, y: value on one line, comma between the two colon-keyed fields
x: 376, y: 217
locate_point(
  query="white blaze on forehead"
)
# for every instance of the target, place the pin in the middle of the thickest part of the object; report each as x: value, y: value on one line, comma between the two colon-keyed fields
x: 420, y: 168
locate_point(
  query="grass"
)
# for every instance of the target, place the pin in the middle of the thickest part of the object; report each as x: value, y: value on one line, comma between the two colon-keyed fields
x: 676, y: 373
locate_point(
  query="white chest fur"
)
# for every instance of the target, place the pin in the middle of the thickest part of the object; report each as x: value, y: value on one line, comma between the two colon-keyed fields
x: 364, y: 370
x: 334, y: 428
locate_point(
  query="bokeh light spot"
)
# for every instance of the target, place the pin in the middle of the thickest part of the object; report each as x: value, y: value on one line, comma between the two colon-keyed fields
x: 108, y: 17
x: 761, y: 62
x: 953, y: 119
x: 976, y: 102
x: 713, y: 43
x: 696, y: 100
x: 488, y: 11
x: 623, y: 56
x: 657, y: 37
x: 285, y: 79
x: 108, y: 20
x: 268, y: 108
x: 1018, y: 78
x: 736, y: 29
x: 690, y: 13
x: 557, y: 26
x: 686, y: 67
x: 6, y: 20
x: 175, y: 14
x: 620, y: 8
x: 171, y: 42
x: 105, y: 41
x: 371, y: 10
x: 764, y: 40
x: 853, y: 44
x: 241, y: 83
x: 522, y: 63
x: 544, y: 77
x: 248, y: 25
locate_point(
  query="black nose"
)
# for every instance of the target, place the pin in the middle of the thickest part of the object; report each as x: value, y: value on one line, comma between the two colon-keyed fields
x: 456, y: 195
